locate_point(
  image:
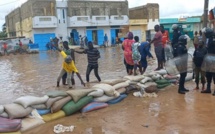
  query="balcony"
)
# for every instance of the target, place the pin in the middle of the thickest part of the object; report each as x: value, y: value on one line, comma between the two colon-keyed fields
x: 119, y: 20
x: 100, y: 21
x: 44, y: 22
x: 79, y: 21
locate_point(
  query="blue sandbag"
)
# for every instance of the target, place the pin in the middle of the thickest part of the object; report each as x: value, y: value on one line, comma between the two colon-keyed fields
x: 43, y: 111
x: 93, y: 106
x: 117, y: 100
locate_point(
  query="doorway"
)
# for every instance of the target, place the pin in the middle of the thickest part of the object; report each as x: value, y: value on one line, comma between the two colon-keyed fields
x: 95, y: 37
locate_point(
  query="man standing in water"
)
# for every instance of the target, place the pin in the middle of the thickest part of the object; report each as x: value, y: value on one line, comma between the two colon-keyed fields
x: 92, y: 55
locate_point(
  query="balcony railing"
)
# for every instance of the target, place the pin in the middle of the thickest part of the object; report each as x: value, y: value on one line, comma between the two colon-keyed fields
x: 44, y: 22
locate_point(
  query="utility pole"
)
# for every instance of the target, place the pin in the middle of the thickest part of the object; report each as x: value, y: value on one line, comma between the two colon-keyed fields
x: 205, y: 18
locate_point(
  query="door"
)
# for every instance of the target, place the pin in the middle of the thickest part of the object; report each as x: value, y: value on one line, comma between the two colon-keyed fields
x: 138, y: 33
x: 113, y: 36
x: 100, y: 35
x: 42, y: 40
x: 90, y: 35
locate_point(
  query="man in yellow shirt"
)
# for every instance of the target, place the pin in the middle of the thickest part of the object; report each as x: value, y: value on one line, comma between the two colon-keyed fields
x: 68, y: 67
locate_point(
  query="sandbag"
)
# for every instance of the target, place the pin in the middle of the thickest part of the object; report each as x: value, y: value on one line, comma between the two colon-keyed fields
x: 156, y: 77
x: 59, y: 104
x: 150, y: 84
x: 71, y: 107
x: 56, y: 93
x: 26, y: 101
x: 39, y: 106
x: 93, y: 106
x: 161, y: 72
x: 151, y: 89
x: 17, y: 111
x: 44, y: 111
x: 108, y: 89
x: 29, y: 123
x: 134, y: 78
x: 4, y: 115
x: 104, y: 98
x: 163, y: 85
x: 163, y: 81
x: 117, y: 100
x: 50, y: 101
x: 150, y: 74
x: 140, y: 85
x: 121, y: 90
x: 53, y: 116
x: 18, y: 132
x: 170, y: 77
x: 189, y: 77
x: 1, y: 109
x: 132, y: 88
x: 146, y: 79
x: 96, y: 93
x: 121, y: 85
x: 131, y: 82
x: 113, y: 81
x: 8, y: 125
x: 77, y: 94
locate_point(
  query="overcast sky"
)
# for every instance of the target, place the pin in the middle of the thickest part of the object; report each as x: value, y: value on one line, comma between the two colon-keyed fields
x: 168, y: 8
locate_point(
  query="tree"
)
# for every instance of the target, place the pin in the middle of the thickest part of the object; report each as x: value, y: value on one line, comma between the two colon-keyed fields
x: 3, y: 33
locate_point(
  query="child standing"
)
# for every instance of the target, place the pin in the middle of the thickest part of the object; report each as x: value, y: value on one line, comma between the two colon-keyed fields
x: 198, y: 58
x: 5, y: 48
x: 136, y: 54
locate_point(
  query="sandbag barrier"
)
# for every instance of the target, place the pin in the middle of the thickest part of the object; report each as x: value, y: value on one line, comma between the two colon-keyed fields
x: 34, y: 111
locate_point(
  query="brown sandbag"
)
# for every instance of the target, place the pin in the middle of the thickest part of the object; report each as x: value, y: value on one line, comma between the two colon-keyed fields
x: 17, y: 111
x: 59, y: 104
x: 151, y: 89
x: 113, y: 81
x: 50, y: 101
x: 29, y: 123
x: 56, y: 93
x: 8, y: 125
x: 77, y: 94
x: 132, y: 88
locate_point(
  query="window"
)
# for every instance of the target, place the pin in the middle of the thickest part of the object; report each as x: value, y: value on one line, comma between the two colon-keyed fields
x: 82, y: 18
x: 100, y: 18
x: 118, y: 18
x: 45, y: 19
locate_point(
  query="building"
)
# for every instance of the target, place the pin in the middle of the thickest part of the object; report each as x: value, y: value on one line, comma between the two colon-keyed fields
x: 189, y: 25
x: 143, y: 19
x: 41, y: 20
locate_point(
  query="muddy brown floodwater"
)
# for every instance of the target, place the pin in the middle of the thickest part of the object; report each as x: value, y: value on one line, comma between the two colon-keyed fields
x: 169, y: 113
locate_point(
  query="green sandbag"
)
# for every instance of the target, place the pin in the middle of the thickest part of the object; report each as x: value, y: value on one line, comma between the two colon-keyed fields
x: 163, y: 85
x: 71, y: 107
x: 163, y: 81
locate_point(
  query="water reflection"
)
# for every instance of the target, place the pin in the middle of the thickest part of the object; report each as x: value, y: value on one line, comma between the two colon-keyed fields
x: 35, y: 74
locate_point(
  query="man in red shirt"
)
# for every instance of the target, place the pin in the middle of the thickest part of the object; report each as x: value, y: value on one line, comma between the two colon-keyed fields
x: 5, y: 48
x: 165, y: 39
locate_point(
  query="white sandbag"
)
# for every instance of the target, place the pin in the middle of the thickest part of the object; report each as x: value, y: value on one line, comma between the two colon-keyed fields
x: 29, y: 123
x: 113, y: 81
x: 121, y: 85
x: 17, y: 111
x: 96, y: 93
x: 189, y: 77
x: 26, y: 101
x: 1, y: 109
x: 150, y: 74
x: 104, y: 98
x: 50, y: 101
x: 77, y: 94
x: 146, y: 79
x: 161, y: 72
x: 134, y: 78
x: 121, y: 90
x: 156, y: 77
x: 39, y: 106
x: 131, y: 82
x: 4, y: 114
x: 108, y: 89
x: 141, y: 85
x: 148, y: 84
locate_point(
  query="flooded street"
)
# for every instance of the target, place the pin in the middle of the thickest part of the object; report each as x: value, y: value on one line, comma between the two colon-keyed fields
x: 169, y: 113
x: 36, y: 74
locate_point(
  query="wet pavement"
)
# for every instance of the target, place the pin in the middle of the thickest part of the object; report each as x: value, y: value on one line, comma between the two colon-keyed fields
x: 169, y: 113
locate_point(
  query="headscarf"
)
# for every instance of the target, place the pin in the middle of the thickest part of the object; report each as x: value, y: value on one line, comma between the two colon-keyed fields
x: 130, y: 35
